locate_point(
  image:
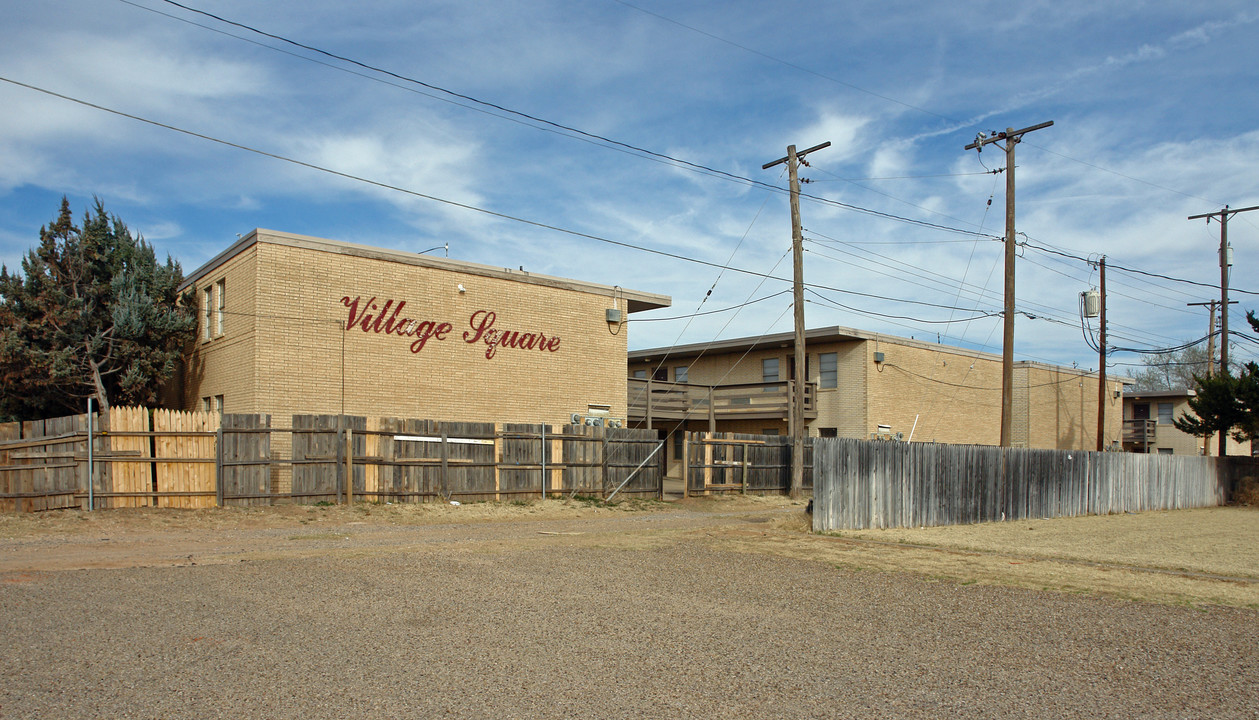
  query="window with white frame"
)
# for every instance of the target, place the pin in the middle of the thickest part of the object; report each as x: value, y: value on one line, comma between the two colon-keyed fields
x: 828, y: 372
x: 220, y: 292
x: 207, y: 305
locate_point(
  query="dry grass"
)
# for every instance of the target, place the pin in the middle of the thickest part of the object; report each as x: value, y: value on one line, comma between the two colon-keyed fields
x: 1217, y: 541
x: 1195, y: 557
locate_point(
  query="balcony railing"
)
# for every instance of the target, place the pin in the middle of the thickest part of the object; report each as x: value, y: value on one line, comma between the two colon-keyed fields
x: 655, y: 400
x: 1140, y: 432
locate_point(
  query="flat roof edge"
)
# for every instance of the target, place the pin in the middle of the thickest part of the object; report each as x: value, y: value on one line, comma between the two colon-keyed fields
x: 636, y: 300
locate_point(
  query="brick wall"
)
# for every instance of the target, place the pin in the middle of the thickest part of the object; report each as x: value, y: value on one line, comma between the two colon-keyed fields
x: 289, y: 350
x: 225, y: 364
x: 936, y: 393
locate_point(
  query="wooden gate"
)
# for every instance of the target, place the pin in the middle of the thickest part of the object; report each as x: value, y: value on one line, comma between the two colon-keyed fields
x: 734, y: 462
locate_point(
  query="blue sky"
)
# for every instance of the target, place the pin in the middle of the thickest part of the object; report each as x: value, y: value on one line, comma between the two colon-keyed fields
x: 1155, y: 113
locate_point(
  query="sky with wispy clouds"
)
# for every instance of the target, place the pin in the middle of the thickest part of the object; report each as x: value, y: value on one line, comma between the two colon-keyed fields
x: 646, y: 124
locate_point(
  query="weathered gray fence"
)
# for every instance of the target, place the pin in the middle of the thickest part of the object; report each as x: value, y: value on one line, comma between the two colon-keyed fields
x: 875, y: 484
x: 737, y: 462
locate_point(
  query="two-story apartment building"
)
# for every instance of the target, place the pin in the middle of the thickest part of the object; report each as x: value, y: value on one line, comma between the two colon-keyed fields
x: 295, y: 324
x: 863, y: 385
x: 1148, y: 428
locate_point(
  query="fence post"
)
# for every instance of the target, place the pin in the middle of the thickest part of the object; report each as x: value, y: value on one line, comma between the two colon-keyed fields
x: 498, y: 460
x: 746, y: 465
x: 91, y: 498
x: 557, y: 463
x: 544, y: 461
x: 662, y: 467
x: 649, y: 408
x: 603, y: 463
x: 349, y: 466
x: 686, y: 464
x: 708, y: 461
x: 218, y: 465
x: 445, y: 482
x: 340, y: 459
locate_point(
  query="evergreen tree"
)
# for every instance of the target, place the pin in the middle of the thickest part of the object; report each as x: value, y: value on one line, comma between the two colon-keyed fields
x: 1226, y: 402
x: 92, y: 314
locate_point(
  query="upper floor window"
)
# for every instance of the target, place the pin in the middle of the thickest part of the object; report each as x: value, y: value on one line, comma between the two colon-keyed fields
x: 769, y: 370
x: 680, y: 373
x: 207, y: 308
x: 640, y: 374
x: 220, y: 292
x: 1165, y: 411
x: 828, y: 373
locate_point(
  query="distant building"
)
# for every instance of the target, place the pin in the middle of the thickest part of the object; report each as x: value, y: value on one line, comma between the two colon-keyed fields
x: 864, y: 385
x: 294, y: 324
x: 1148, y: 428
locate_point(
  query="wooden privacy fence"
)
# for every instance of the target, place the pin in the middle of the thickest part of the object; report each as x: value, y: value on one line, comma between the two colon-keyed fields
x: 875, y: 484
x: 396, y: 460
x: 175, y: 459
x: 729, y: 462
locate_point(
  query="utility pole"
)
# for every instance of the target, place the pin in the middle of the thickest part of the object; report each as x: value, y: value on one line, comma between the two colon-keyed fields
x: 1101, y: 377
x: 798, y: 429
x: 1206, y: 441
x: 1012, y: 138
x: 1212, y: 304
x: 1226, y: 262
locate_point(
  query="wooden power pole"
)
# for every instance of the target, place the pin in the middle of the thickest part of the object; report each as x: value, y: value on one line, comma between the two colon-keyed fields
x: 798, y: 429
x: 1012, y: 138
x: 1206, y: 441
x: 1101, y: 376
x: 1226, y: 262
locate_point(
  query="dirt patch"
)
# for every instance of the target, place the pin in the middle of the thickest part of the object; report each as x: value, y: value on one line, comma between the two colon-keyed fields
x: 1194, y: 557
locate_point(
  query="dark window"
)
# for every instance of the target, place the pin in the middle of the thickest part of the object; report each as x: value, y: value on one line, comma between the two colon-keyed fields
x: 1165, y: 411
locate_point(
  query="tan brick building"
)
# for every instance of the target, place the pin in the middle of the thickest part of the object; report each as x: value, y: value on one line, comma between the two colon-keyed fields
x: 293, y: 324
x: 863, y: 385
x: 1148, y: 428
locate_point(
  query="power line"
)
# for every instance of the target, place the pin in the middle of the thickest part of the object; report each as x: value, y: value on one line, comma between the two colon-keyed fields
x: 910, y: 106
x: 871, y: 313
x: 712, y: 312
x: 567, y: 130
x: 1029, y: 244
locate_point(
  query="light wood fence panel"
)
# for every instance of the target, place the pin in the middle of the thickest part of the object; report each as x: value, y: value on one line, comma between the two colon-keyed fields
x: 191, y: 468
x: 123, y: 476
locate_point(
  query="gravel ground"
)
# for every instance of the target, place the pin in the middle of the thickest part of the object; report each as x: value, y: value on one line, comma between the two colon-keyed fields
x: 519, y: 623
